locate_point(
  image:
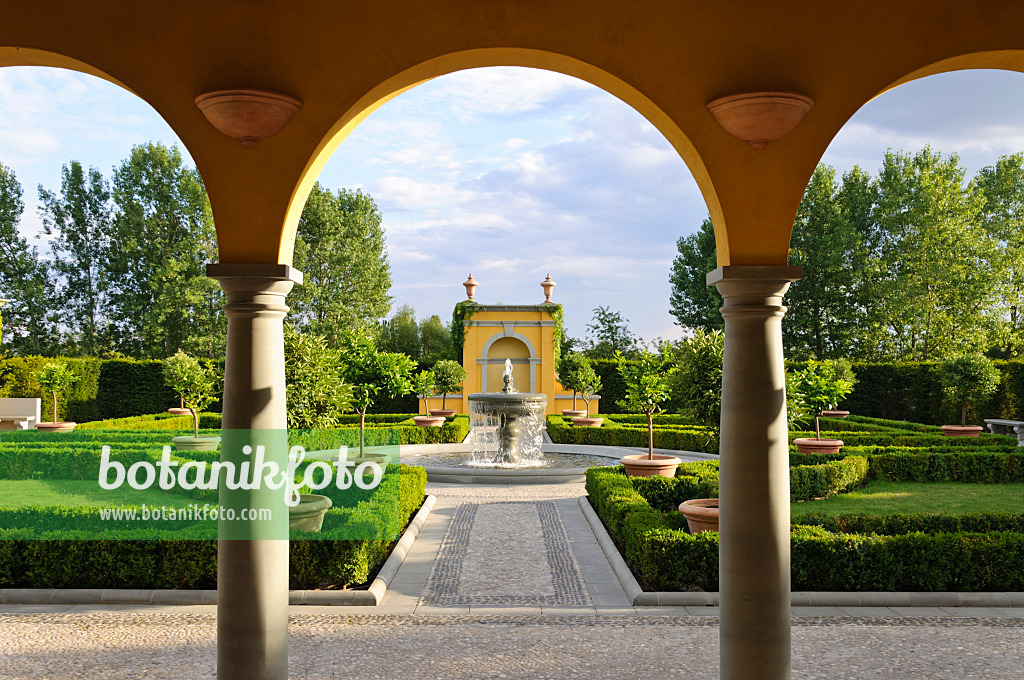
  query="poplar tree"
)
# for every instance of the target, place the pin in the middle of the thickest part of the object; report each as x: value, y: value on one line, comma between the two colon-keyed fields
x: 1002, y: 217
x: 346, y: 276
x: 79, y: 222
x: 29, y: 325
x: 163, y: 236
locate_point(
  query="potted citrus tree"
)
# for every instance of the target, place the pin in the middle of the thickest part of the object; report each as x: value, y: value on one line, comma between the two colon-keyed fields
x: 196, y: 386
x: 572, y: 372
x: 448, y: 377
x: 646, y: 380
x: 590, y: 385
x: 57, y: 378
x: 424, y: 384
x: 822, y: 388
x: 967, y: 380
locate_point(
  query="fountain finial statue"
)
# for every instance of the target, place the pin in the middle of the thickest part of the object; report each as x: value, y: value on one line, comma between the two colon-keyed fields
x: 506, y: 377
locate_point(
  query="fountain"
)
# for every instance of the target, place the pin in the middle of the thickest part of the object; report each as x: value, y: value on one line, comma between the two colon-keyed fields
x: 506, y: 426
x: 506, y: 437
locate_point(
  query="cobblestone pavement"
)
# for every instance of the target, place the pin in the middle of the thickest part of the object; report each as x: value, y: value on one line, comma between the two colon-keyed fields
x: 128, y: 644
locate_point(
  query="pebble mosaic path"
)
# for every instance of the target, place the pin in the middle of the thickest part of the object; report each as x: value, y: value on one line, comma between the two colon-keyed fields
x: 506, y: 554
x: 509, y: 583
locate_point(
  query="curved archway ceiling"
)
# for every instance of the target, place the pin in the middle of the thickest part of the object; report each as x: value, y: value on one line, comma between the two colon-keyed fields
x: 667, y: 61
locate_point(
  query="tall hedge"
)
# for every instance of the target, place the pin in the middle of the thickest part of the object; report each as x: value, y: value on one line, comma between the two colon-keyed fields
x: 112, y: 388
x: 913, y: 391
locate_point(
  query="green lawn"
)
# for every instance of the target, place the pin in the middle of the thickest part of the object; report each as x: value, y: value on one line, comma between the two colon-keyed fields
x: 17, y: 493
x: 890, y: 498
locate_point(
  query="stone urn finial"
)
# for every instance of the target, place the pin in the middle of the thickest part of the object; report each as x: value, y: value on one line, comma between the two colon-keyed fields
x: 760, y: 117
x: 470, y: 285
x: 548, y: 285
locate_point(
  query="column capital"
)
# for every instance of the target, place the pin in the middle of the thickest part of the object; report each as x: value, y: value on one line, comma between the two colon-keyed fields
x: 746, y: 288
x: 257, y: 270
x: 755, y: 273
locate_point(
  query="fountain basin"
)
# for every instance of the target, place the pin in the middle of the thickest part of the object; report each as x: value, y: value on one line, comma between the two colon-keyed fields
x: 505, y: 428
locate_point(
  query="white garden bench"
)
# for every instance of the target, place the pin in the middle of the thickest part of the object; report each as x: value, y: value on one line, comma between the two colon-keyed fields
x: 19, y: 414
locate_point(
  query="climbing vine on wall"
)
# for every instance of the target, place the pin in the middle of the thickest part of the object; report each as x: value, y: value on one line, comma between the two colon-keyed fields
x: 462, y: 314
x: 556, y: 313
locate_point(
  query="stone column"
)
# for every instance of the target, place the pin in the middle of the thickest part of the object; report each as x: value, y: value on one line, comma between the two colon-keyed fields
x: 754, y: 569
x: 252, y: 557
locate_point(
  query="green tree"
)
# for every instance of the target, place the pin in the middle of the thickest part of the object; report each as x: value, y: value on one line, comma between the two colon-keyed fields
x: 371, y: 373
x: 194, y: 381
x: 346, y: 276
x: 936, y: 296
x: 401, y: 333
x: 693, y: 302
x: 967, y: 380
x: 647, y: 387
x: 435, y: 339
x: 575, y: 373
x: 1002, y: 216
x: 57, y: 378
x: 79, y: 220
x: 824, y: 314
x: 609, y: 334
x: 448, y: 377
x: 316, y: 393
x: 161, y: 299
x: 423, y: 385
x: 31, y: 326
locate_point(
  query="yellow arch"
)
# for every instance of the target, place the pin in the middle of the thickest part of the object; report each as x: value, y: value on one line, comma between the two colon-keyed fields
x: 484, y: 57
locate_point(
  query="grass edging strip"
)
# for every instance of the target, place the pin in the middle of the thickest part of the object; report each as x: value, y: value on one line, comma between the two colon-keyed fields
x: 640, y: 598
x: 370, y: 597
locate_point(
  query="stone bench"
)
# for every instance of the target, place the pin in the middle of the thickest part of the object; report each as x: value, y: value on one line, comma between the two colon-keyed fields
x: 19, y: 414
x: 999, y: 426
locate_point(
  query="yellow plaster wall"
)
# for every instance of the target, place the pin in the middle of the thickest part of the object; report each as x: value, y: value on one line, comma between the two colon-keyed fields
x: 540, y: 337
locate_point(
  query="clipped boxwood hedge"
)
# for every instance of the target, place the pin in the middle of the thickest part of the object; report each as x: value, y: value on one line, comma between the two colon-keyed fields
x: 139, y: 559
x: 615, y: 433
x: 982, y: 552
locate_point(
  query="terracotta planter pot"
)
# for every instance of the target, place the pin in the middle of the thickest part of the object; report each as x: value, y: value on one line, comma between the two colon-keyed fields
x: 835, y: 414
x: 701, y: 514
x: 585, y: 421
x: 196, y: 443
x: 570, y: 413
x: 805, y: 445
x: 308, y: 515
x: 429, y: 421
x: 961, y: 430
x: 639, y: 465
x: 178, y: 411
x: 56, y: 427
x: 443, y: 412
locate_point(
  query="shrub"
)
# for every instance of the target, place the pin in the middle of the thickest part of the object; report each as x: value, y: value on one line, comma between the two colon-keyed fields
x: 315, y: 392
x: 698, y: 381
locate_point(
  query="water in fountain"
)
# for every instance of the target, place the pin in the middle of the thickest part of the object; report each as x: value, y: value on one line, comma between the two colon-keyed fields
x: 506, y: 427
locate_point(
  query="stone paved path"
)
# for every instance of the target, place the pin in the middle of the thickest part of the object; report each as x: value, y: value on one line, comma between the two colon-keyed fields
x: 509, y: 582
x: 485, y: 549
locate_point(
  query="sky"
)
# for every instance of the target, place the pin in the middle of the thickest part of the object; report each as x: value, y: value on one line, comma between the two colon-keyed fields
x: 511, y: 174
